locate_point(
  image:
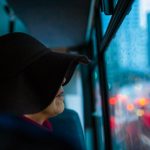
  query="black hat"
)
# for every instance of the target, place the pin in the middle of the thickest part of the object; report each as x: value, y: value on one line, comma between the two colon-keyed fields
x: 31, y: 73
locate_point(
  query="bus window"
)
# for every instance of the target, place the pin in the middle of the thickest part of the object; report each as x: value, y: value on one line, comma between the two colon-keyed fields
x: 127, y: 61
x: 106, y: 11
x: 105, y: 21
x: 9, y: 22
x: 4, y: 19
x: 74, y: 95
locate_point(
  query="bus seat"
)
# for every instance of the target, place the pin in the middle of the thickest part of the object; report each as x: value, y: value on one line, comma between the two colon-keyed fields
x: 18, y: 134
x: 68, y: 125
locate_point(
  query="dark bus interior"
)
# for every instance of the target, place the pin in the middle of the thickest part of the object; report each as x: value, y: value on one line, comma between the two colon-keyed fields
x: 108, y: 101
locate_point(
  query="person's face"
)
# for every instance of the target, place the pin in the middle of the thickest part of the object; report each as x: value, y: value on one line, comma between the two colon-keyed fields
x: 57, y: 105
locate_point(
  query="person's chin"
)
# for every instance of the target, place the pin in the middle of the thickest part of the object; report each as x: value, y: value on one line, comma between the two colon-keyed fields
x: 61, y: 110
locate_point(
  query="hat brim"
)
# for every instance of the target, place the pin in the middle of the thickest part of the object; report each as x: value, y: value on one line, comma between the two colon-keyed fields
x: 35, y: 87
x: 48, y: 72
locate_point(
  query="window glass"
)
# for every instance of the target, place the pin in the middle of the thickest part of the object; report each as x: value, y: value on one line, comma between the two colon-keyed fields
x: 105, y: 22
x: 74, y: 95
x: 4, y: 19
x: 128, y: 74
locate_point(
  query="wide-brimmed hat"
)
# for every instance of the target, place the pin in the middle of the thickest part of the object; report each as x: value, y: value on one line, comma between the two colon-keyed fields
x: 31, y: 73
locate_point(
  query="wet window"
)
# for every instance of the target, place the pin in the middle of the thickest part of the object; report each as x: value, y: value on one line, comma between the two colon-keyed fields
x: 128, y: 73
x: 105, y: 22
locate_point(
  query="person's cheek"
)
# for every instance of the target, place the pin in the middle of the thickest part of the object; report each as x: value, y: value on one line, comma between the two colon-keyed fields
x: 60, y: 105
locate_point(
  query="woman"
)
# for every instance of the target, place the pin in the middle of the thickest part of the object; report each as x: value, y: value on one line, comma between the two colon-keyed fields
x: 32, y: 77
x: 54, y: 108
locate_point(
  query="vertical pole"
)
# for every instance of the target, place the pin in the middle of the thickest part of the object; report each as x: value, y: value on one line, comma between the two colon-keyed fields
x: 103, y: 84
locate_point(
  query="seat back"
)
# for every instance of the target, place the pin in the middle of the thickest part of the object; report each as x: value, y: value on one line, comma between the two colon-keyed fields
x: 68, y: 125
x: 17, y: 134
